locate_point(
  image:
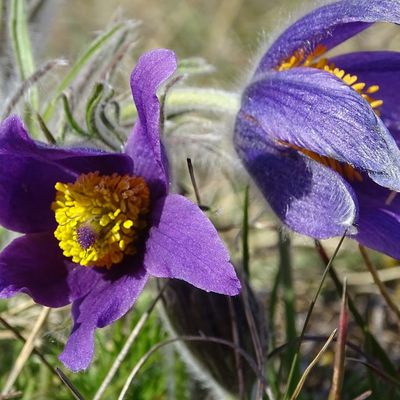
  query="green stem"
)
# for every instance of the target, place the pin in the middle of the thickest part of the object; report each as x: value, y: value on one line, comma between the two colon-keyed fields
x: 188, y: 99
x: 245, y: 234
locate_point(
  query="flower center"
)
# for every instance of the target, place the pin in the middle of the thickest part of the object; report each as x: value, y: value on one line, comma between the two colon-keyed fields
x: 313, y: 60
x: 99, y: 217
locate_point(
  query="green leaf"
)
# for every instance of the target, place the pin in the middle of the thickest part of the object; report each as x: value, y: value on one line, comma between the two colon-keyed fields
x: 91, y: 106
x: 70, y: 118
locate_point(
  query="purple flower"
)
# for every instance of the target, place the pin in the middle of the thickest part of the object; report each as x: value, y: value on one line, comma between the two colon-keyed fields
x: 319, y: 135
x: 97, y: 224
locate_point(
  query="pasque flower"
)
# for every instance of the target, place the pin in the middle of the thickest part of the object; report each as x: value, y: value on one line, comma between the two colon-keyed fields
x: 318, y: 135
x: 97, y: 224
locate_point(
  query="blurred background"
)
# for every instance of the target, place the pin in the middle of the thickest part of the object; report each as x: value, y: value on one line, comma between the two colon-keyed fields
x: 226, y: 32
x: 229, y: 35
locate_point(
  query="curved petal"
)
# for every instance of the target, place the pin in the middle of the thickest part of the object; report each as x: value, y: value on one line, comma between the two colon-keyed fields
x: 15, y: 140
x: 316, y: 111
x: 34, y: 264
x: 29, y: 171
x: 144, y: 145
x: 329, y: 25
x: 26, y: 193
x: 112, y: 297
x: 308, y: 197
x: 183, y: 244
x: 380, y: 68
x: 379, y: 218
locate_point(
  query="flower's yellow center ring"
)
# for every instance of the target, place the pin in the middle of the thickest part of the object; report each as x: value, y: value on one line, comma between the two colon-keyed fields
x: 313, y: 60
x: 99, y: 217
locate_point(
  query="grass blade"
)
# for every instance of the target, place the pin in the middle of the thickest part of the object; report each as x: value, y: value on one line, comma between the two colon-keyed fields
x: 125, y: 349
x: 22, y: 339
x: 285, y: 265
x: 252, y: 364
x: 340, y: 351
x: 10, y: 396
x: 26, y: 351
x: 375, y: 347
x: 65, y: 380
x: 364, y: 396
x: 382, y: 288
x: 90, y: 115
x: 377, y: 371
x: 194, y: 182
x: 45, y: 130
x: 245, y: 234
x: 70, y: 118
x: 20, y: 39
x: 21, y: 44
x: 272, y: 373
x: 311, y: 366
x: 295, y: 361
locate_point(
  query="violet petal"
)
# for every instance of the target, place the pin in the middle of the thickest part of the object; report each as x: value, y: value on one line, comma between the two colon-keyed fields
x: 316, y: 111
x: 307, y: 196
x: 113, y: 296
x: 380, y: 68
x: 15, y: 140
x: 329, y: 25
x: 183, y: 244
x: 34, y: 264
x: 379, y: 218
x: 29, y: 171
x: 144, y: 145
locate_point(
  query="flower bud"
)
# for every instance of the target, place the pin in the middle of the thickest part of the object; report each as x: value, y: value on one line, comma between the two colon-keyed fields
x: 191, y: 312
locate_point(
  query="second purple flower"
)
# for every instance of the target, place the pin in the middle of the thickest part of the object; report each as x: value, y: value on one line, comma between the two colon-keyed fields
x: 318, y: 135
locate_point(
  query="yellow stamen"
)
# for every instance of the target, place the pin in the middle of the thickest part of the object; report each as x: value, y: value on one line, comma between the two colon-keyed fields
x: 301, y: 59
x: 376, y: 103
x: 346, y: 170
x: 99, y: 217
x: 373, y: 89
x: 358, y: 87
